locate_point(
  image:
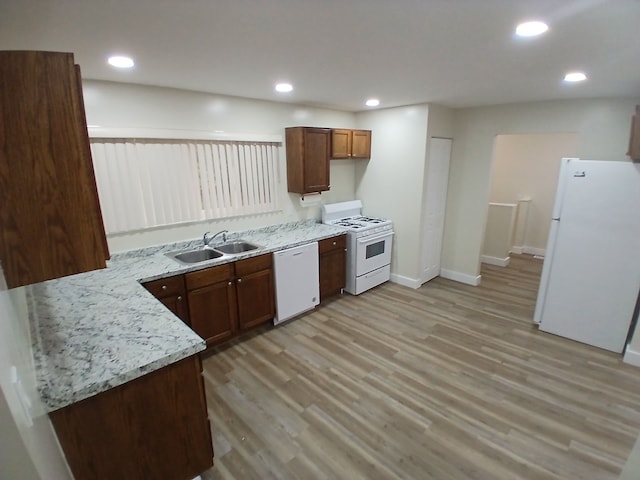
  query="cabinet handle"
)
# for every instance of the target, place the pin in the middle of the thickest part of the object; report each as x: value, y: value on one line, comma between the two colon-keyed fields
x: 230, y: 283
x: 179, y: 298
x: 335, y: 243
x: 164, y: 287
x: 239, y: 280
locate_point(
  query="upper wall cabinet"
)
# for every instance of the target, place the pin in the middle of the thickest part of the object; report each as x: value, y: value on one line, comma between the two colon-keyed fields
x: 50, y: 219
x: 307, y: 159
x: 634, y: 137
x: 350, y: 143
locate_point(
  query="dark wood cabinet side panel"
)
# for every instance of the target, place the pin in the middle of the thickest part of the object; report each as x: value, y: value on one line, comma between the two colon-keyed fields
x: 295, y: 152
x: 634, y: 136
x: 50, y: 220
x: 91, y: 186
x: 154, y: 427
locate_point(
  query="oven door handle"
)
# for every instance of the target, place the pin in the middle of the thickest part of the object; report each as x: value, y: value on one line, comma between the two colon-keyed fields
x: 375, y: 238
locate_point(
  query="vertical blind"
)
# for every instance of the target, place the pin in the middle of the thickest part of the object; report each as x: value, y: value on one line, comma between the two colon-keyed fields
x: 149, y: 183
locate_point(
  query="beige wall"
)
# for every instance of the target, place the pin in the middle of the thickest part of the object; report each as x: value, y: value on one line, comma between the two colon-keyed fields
x: 28, y: 446
x: 137, y: 108
x: 602, y: 129
x: 390, y: 183
x: 527, y: 166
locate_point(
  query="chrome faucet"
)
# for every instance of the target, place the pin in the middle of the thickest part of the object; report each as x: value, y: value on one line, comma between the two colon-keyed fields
x: 207, y: 241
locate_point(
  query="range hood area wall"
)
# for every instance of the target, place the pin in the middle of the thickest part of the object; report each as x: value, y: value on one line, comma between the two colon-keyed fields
x: 143, y: 108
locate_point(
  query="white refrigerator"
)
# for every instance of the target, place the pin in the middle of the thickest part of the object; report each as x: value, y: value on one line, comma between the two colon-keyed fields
x: 591, y: 273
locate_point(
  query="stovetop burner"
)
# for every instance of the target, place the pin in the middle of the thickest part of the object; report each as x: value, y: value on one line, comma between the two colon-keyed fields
x: 349, y: 216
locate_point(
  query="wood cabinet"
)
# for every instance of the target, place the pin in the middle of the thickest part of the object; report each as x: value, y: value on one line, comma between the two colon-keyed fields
x: 231, y: 298
x: 172, y: 293
x: 255, y: 291
x: 211, y: 295
x: 333, y: 263
x: 307, y: 159
x: 50, y: 219
x: 155, y: 426
x: 634, y: 137
x: 350, y: 143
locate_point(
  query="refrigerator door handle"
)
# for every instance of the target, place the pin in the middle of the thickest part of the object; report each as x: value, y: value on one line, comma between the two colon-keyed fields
x: 557, y: 219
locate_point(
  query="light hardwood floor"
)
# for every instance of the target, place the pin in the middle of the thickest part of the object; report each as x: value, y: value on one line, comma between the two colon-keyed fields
x: 444, y: 382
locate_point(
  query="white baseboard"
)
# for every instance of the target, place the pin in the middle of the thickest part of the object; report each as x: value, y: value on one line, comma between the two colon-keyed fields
x: 405, y: 281
x: 500, y: 262
x: 528, y: 250
x: 631, y: 357
x: 461, y: 277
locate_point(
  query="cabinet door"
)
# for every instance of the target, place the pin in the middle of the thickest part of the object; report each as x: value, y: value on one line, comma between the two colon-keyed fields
x: 361, y: 144
x: 316, y: 160
x: 307, y: 159
x: 256, y: 304
x: 172, y: 293
x: 178, y: 305
x: 340, y: 143
x: 212, y: 311
x: 50, y: 219
x: 332, y: 265
x: 154, y: 426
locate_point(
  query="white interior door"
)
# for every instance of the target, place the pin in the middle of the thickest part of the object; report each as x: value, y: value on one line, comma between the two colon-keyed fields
x: 435, y: 200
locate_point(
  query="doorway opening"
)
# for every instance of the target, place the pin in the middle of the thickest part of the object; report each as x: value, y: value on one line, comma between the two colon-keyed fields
x: 524, y: 177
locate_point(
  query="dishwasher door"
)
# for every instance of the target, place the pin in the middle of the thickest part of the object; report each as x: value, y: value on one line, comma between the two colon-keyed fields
x: 297, y: 281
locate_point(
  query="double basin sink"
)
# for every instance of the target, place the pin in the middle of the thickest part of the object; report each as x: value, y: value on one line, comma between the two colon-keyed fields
x: 204, y: 254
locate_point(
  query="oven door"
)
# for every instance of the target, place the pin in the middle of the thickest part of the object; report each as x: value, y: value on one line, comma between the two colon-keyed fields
x: 373, y: 252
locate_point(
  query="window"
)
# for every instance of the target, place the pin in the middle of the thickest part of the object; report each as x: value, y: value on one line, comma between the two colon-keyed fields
x: 149, y: 183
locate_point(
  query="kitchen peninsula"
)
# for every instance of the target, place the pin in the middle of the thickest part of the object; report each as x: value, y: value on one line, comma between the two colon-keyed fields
x: 101, y: 336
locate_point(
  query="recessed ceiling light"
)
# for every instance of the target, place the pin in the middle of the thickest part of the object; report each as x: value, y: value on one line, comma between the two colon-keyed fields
x: 372, y: 102
x: 575, y: 77
x: 531, y: 29
x: 284, y: 87
x: 120, y: 62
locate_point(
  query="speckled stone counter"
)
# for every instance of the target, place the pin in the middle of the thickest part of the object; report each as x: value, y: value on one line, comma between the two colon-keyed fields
x: 96, y: 330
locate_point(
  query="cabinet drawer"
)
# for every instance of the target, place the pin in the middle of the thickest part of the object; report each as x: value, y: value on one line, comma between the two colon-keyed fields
x: 253, y: 264
x: 332, y: 243
x: 209, y: 276
x: 166, y: 286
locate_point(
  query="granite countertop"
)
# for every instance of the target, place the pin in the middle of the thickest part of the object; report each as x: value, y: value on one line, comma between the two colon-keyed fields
x: 97, y: 330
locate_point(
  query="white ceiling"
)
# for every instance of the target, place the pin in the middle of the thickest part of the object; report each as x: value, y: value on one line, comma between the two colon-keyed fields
x: 337, y: 53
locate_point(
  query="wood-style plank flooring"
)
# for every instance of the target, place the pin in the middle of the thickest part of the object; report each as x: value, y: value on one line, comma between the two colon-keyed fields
x: 444, y: 382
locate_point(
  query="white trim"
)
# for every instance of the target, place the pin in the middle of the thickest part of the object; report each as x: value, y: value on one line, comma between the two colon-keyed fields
x: 177, y: 134
x: 405, y: 281
x: 528, y: 250
x: 631, y: 357
x: 461, y: 277
x: 499, y: 262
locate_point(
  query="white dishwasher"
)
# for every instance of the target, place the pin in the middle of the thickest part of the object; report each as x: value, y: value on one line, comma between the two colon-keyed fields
x: 297, y: 281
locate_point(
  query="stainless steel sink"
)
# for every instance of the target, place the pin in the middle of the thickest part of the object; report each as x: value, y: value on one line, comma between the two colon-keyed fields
x: 195, y: 256
x: 236, y: 247
x: 198, y: 255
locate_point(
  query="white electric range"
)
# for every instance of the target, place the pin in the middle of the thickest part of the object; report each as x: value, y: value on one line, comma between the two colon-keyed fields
x: 369, y: 242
